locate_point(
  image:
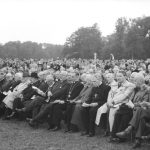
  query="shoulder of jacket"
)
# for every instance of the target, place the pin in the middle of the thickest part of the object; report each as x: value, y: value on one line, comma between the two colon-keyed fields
x: 129, y: 84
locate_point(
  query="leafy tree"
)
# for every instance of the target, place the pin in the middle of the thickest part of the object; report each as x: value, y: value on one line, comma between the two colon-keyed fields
x: 83, y: 43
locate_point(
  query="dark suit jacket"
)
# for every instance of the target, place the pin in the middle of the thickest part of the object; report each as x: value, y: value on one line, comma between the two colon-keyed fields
x: 1, y: 83
x: 60, y: 91
x: 9, y: 85
x: 5, y: 86
x: 99, y: 94
x: 29, y: 92
x: 74, y: 90
x: 14, y: 84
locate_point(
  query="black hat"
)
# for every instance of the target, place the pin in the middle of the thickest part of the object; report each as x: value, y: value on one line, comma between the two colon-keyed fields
x: 34, y: 75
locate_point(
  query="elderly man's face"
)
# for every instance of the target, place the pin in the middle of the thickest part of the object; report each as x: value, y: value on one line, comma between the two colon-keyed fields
x: 120, y: 77
x: 63, y: 77
x: 17, y: 78
x: 138, y: 82
x: 49, y: 79
x: 87, y: 82
x: 56, y: 75
x: 109, y: 78
x: 95, y: 82
x: 9, y: 77
x: 74, y: 78
x: 41, y: 76
x: 132, y: 78
x: 70, y: 77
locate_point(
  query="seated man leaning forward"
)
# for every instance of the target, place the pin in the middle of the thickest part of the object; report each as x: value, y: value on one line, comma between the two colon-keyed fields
x: 58, y: 92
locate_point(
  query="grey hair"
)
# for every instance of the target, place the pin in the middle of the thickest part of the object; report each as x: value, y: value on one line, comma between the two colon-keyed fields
x: 139, y: 77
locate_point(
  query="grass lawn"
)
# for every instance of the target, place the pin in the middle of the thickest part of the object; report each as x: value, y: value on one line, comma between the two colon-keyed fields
x: 16, y: 135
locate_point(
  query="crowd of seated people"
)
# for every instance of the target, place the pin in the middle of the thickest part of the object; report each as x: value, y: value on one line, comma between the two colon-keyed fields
x: 112, y: 94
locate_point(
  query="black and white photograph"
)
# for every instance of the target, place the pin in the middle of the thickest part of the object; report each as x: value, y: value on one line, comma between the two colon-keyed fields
x: 74, y: 74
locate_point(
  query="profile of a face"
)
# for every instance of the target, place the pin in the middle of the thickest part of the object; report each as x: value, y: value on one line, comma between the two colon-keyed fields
x: 109, y: 77
x: 139, y: 80
x: 120, y: 77
x: 95, y: 82
x: 132, y: 77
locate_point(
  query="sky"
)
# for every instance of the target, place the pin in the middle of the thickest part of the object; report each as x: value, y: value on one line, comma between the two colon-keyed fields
x: 52, y: 21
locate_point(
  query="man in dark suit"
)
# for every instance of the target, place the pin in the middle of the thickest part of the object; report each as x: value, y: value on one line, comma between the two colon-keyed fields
x: 89, y: 109
x: 74, y: 90
x: 31, y: 97
x: 58, y: 94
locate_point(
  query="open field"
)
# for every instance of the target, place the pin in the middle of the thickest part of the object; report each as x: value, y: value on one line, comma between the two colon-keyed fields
x: 16, y: 135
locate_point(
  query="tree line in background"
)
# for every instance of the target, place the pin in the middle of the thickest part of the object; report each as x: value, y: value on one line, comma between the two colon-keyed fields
x: 30, y: 50
x: 130, y: 40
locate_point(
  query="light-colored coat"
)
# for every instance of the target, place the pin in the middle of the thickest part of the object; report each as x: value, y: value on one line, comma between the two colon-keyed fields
x: 8, y: 100
x: 121, y: 95
x: 104, y: 108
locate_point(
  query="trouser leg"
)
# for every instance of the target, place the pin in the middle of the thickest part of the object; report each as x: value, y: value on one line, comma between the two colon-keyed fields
x: 112, y: 113
x: 117, y: 121
x: 68, y: 114
x: 58, y: 114
x: 43, y: 113
x: 85, y: 118
x: 92, y: 115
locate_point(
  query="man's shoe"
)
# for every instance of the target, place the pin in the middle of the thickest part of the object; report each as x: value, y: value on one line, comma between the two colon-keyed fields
x: 124, y: 133
x: 122, y: 140
x: 11, y: 115
x: 137, y: 144
x: 28, y: 119
x: 5, y: 118
x: 106, y: 134
x: 55, y: 129
x: 67, y: 130
x: 50, y: 128
x: 113, y: 140
x: 147, y: 137
x: 20, y: 110
x: 84, y: 133
x: 33, y: 124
